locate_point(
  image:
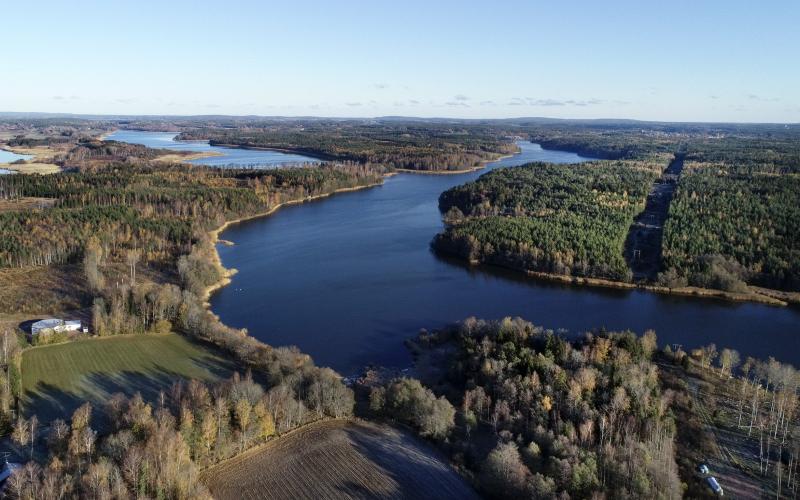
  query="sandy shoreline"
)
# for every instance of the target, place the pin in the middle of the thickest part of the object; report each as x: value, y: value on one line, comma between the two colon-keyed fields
x: 214, y: 234
x: 36, y: 165
x: 315, y: 157
x: 187, y: 157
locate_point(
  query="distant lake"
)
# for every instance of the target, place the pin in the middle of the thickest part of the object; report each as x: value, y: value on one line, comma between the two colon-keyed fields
x: 8, y: 157
x: 348, y: 278
x: 227, y: 156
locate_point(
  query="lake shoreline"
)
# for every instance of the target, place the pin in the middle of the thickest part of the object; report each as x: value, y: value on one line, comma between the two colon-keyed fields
x: 313, y: 155
x: 34, y: 165
x: 411, y: 200
x: 455, y: 172
x: 214, y: 234
x: 688, y: 291
x: 187, y: 158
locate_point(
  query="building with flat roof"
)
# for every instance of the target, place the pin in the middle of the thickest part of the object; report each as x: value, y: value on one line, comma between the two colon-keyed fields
x: 56, y: 325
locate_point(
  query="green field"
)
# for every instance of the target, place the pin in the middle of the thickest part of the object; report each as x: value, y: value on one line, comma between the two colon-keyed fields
x: 57, y: 379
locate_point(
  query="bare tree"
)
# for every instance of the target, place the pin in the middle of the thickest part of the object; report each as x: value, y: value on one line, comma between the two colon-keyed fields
x: 132, y: 258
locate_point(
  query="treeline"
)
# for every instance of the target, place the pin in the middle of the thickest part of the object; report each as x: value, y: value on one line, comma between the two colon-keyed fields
x: 540, y: 417
x: 157, y: 450
x: 11, y: 346
x: 21, y: 141
x: 562, y: 219
x: 88, y: 151
x: 606, y: 142
x: 415, y: 146
x: 157, y: 210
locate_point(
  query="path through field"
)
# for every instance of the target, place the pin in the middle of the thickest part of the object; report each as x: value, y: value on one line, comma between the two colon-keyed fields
x: 339, y: 459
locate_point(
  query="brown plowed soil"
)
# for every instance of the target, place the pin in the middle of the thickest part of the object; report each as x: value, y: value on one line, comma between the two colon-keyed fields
x: 339, y: 459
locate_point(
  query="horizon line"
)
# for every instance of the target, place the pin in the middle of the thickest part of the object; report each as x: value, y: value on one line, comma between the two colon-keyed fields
x: 99, y: 116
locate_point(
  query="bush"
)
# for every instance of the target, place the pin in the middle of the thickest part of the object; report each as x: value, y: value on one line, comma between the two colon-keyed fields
x: 408, y: 401
x: 721, y: 273
x: 672, y: 279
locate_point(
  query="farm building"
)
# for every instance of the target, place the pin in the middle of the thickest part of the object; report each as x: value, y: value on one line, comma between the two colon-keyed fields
x: 55, y: 325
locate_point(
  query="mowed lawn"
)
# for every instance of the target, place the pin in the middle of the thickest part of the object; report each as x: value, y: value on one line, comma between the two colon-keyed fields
x: 57, y: 379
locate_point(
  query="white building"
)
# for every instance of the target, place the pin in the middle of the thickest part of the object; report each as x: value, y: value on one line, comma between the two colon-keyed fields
x: 56, y: 325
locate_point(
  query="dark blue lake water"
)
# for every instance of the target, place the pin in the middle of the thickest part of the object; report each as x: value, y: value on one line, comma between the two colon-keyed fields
x: 348, y: 278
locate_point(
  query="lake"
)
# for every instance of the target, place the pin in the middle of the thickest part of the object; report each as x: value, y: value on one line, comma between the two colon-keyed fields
x: 348, y: 278
x: 8, y: 157
x: 226, y: 156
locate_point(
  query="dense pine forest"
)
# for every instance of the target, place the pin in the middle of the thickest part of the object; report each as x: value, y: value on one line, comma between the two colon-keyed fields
x: 563, y: 219
x: 412, y: 146
x: 733, y: 221
x: 736, y: 216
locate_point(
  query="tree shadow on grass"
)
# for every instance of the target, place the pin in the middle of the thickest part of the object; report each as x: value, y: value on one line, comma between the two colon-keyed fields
x: 49, y: 402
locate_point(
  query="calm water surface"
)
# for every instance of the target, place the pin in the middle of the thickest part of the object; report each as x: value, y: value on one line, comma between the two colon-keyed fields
x: 348, y: 278
x: 8, y: 157
x: 228, y: 156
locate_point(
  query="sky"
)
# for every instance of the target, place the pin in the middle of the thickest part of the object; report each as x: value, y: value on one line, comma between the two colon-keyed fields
x: 699, y: 60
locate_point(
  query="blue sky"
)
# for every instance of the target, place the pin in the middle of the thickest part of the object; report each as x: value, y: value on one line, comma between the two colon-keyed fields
x: 678, y: 60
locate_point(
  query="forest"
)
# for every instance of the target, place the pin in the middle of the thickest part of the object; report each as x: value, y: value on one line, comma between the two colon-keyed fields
x: 525, y: 413
x: 561, y: 219
x: 735, y: 219
x: 412, y: 146
x: 537, y: 416
x: 732, y: 222
x: 139, y: 233
x: 157, y: 450
x: 156, y: 210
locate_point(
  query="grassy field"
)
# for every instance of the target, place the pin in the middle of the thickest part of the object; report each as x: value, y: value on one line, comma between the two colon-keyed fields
x: 57, y: 379
x: 32, y: 167
x: 338, y: 459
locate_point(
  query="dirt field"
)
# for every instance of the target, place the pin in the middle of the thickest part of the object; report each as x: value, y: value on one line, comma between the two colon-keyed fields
x: 339, y: 459
x: 42, y: 291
